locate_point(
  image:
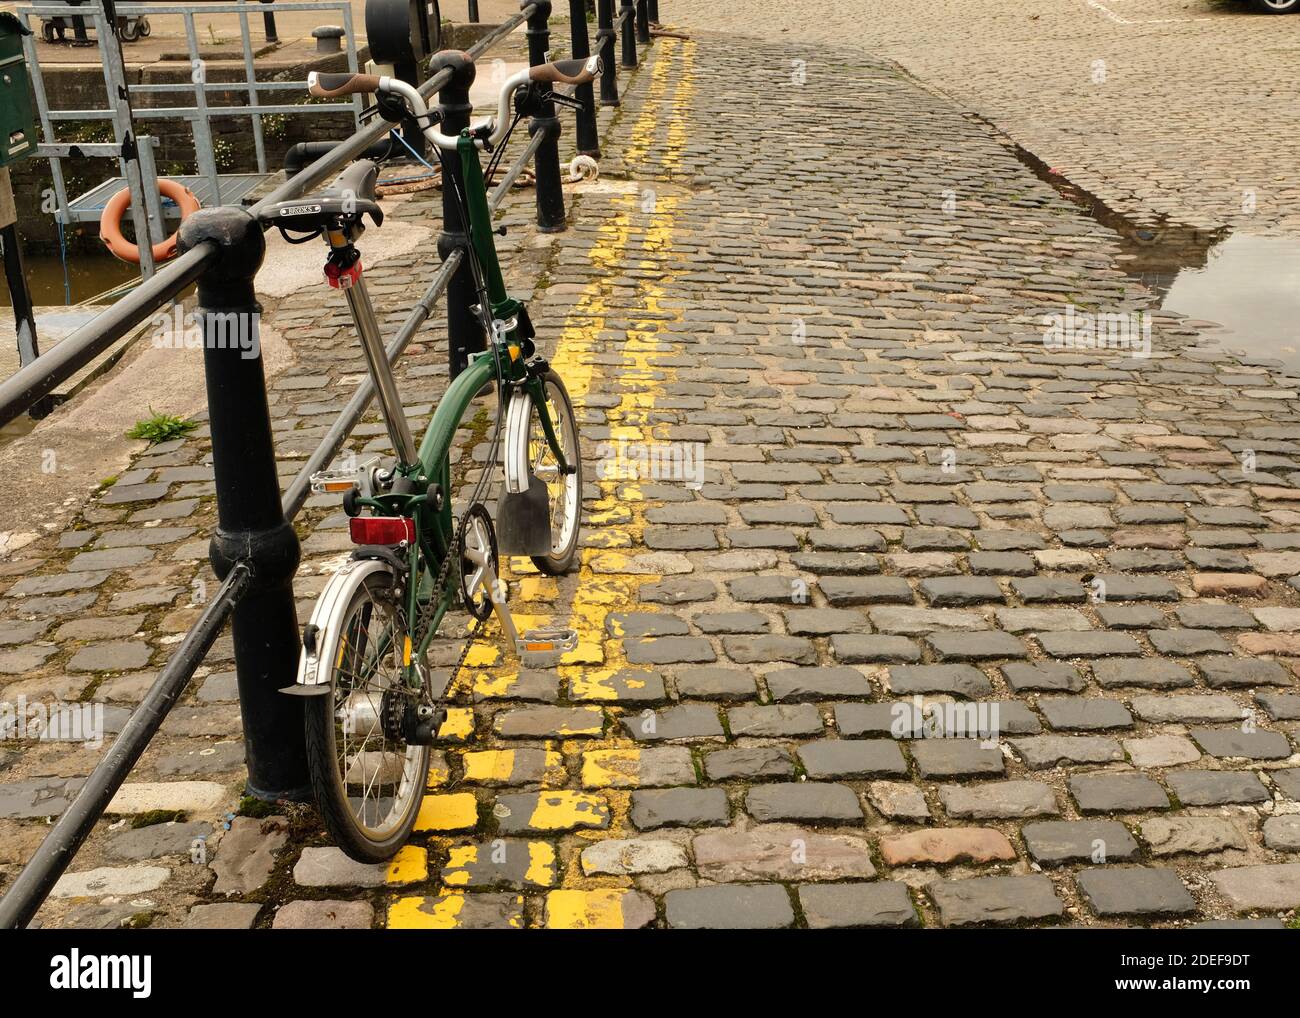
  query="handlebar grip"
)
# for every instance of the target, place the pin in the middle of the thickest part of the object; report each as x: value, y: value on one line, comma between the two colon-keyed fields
x: 328, y: 86
x: 567, y: 72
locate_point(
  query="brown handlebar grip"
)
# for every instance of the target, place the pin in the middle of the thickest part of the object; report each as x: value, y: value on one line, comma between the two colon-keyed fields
x: 328, y: 86
x: 564, y: 72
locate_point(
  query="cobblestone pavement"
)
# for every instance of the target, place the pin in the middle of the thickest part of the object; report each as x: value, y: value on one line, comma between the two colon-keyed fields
x: 1163, y: 110
x: 890, y: 613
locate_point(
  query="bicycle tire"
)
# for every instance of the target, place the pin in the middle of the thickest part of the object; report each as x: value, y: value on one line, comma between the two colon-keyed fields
x: 329, y: 775
x: 563, y: 553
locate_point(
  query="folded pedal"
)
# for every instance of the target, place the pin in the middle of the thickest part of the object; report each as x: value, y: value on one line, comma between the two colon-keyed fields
x: 547, y: 641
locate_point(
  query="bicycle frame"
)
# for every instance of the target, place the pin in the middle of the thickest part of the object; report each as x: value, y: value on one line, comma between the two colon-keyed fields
x: 422, y: 485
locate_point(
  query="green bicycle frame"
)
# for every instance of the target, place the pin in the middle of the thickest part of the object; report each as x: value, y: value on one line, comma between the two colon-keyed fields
x: 503, y: 362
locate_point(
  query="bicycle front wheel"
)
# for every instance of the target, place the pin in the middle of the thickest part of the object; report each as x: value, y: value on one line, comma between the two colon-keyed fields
x: 564, y: 491
x: 368, y: 782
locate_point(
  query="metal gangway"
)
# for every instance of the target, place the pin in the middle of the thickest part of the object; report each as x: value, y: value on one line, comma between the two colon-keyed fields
x: 135, y: 152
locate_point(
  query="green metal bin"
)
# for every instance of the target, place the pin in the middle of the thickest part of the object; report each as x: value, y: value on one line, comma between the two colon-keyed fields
x: 17, y: 122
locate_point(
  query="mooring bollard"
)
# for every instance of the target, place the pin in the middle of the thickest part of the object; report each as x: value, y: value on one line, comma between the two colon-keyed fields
x: 464, y: 330
x: 588, y: 136
x: 250, y: 522
x: 629, y: 33
x: 643, y: 22
x: 605, y: 47
x: 546, y: 162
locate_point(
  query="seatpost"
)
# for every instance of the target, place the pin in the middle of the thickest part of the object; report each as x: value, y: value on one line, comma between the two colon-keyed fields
x: 464, y: 329
x: 546, y: 163
x: 588, y: 137
x: 372, y: 345
x: 629, y: 33
x: 250, y: 522
x: 605, y: 47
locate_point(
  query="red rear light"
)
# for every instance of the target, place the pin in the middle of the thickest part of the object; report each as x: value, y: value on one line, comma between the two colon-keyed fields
x: 381, y: 529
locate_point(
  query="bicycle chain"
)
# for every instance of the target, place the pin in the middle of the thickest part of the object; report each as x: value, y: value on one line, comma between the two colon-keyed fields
x: 440, y: 581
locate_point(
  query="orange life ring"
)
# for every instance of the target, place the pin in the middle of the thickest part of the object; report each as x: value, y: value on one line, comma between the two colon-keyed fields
x: 110, y: 221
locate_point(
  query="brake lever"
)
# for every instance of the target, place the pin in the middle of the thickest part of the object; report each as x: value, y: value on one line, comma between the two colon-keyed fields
x: 563, y: 100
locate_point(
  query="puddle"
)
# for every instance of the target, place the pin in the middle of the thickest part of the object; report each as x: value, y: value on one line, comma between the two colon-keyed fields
x: 1248, y: 284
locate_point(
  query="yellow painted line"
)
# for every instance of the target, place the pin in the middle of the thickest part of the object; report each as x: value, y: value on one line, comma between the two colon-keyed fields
x: 438, y: 773
x: 448, y: 813
x: 492, y: 766
x: 567, y: 811
x: 611, y: 768
x: 543, y: 865
x: 409, y: 866
x: 459, y: 725
x: 467, y: 868
x: 600, y: 909
x: 448, y: 911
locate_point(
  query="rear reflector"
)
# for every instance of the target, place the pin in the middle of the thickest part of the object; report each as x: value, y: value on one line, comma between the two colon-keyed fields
x: 381, y: 529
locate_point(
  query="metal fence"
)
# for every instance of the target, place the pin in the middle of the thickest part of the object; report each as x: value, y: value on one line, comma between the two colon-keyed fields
x: 254, y: 550
x: 140, y: 173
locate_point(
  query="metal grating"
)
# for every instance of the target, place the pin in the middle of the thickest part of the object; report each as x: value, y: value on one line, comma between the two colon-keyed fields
x: 235, y: 187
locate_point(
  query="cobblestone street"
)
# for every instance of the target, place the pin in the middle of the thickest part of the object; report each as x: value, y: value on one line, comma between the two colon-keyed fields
x: 900, y: 604
x: 1169, y: 112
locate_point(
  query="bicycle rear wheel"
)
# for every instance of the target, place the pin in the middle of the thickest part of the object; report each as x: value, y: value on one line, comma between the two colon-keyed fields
x: 368, y: 782
x: 564, y: 491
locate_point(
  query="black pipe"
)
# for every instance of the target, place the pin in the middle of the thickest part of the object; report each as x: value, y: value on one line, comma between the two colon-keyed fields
x: 642, y: 23
x: 546, y: 164
x: 53, y: 855
x: 298, y: 157
x: 250, y: 522
x: 19, y: 294
x: 605, y: 47
x: 268, y: 23
x: 464, y: 330
x: 588, y: 137
x: 629, y: 33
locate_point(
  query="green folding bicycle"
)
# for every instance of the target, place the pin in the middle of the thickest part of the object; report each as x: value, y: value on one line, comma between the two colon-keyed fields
x: 424, y: 549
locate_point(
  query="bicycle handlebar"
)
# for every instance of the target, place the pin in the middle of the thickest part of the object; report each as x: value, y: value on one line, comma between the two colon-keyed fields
x: 488, y: 132
x: 567, y: 72
x: 329, y: 86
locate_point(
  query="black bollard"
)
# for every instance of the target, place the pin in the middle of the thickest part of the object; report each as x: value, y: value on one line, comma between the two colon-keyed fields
x: 652, y: 11
x: 251, y: 527
x: 588, y: 137
x: 643, y: 22
x: 629, y: 33
x: 546, y: 163
x: 605, y: 47
x: 464, y: 330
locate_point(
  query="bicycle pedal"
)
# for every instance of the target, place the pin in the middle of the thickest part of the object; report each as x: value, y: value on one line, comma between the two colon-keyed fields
x: 547, y: 641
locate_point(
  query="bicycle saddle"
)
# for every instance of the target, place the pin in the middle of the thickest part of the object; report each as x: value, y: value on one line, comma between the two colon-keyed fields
x: 342, y: 204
